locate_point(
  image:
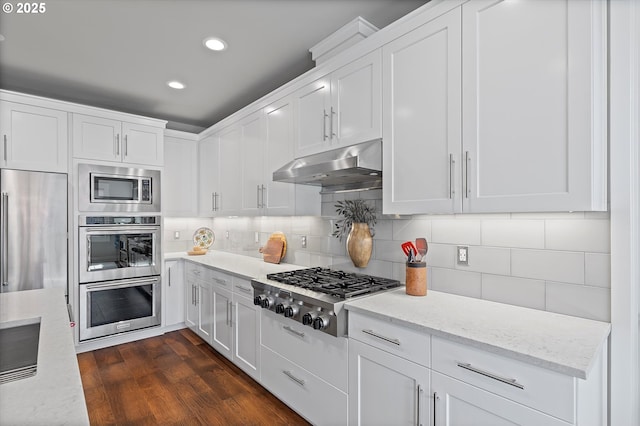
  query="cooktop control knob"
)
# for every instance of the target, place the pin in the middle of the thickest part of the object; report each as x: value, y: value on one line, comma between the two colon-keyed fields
x: 280, y: 308
x: 321, y: 322
x: 291, y: 311
x: 267, y: 302
x: 258, y: 299
x: 307, y: 319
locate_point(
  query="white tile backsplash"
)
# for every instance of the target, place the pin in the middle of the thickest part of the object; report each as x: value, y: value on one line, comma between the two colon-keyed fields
x: 513, y: 233
x: 550, y: 261
x: 514, y: 291
x: 548, y: 265
x: 591, y: 235
x: 457, y: 231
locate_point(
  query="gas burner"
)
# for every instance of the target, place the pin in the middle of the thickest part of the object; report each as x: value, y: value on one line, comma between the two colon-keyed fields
x: 339, y: 284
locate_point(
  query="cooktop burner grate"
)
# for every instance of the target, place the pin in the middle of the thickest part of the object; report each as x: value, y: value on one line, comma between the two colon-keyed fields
x: 339, y: 284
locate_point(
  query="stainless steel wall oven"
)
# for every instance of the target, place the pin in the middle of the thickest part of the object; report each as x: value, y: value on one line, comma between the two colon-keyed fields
x: 119, y: 270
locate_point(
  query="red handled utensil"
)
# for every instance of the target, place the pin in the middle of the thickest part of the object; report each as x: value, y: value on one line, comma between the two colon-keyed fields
x: 409, y: 248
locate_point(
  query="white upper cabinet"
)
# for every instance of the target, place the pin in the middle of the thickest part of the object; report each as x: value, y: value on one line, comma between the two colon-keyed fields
x: 518, y: 124
x: 422, y: 121
x: 33, y: 138
x: 229, y: 197
x: 534, y: 105
x: 342, y: 108
x: 99, y: 138
x: 252, y: 163
x: 278, y: 198
x: 208, y: 175
x: 180, y: 176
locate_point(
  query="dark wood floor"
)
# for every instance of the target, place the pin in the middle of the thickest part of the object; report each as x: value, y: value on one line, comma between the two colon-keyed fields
x: 174, y: 379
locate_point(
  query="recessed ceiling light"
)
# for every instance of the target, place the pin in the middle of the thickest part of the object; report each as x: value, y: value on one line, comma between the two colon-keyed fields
x: 215, y: 43
x: 176, y: 85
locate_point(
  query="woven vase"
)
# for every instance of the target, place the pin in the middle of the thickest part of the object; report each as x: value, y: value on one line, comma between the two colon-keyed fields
x: 359, y: 244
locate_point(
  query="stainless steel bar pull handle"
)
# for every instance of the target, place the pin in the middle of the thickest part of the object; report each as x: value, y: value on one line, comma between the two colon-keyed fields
x: 436, y: 398
x: 291, y: 330
x: 292, y: 377
x: 510, y: 382
x: 262, y: 190
x: 4, y: 209
x: 258, y: 197
x: 452, y: 163
x: 118, y: 144
x: 126, y: 145
x: 381, y: 337
x: 324, y: 124
x: 332, y: 127
x: 5, y: 148
x: 419, y: 398
x: 169, y: 278
x: 466, y: 175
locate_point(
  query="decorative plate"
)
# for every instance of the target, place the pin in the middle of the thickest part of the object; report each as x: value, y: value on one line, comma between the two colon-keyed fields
x: 203, y: 237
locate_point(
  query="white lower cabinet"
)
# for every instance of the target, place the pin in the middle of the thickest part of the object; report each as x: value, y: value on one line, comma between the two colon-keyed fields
x: 385, y: 389
x: 174, y: 306
x: 460, y: 404
x: 198, y: 301
x: 246, y: 328
x: 305, y: 368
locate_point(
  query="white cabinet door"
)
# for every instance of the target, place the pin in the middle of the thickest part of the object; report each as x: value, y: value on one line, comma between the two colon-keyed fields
x: 96, y: 138
x: 312, y: 117
x: 422, y: 121
x: 179, y: 181
x: 252, y: 163
x: 142, y: 144
x: 278, y: 197
x: 222, y: 337
x: 229, y: 200
x: 190, y: 303
x: 205, y: 310
x: 174, y: 293
x: 533, y: 105
x: 356, y: 101
x: 460, y: 404
x: 208, y: 176
x: 34, y: 138
x: 246, y: 334
x: 385, y: 389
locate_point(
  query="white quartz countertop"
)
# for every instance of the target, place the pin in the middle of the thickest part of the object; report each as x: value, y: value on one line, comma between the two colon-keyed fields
x: 54, y: 396
x: 242, y: 266
x: 561, y: 343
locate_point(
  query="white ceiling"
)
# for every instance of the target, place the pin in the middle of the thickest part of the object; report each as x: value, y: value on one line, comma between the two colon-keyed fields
x: 119, y: 54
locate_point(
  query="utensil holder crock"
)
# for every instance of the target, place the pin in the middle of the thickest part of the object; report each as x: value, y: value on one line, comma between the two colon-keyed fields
x: 416, y: 279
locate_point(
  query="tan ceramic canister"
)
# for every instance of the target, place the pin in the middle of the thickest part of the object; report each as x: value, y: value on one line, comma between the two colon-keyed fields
x: 416, y: 279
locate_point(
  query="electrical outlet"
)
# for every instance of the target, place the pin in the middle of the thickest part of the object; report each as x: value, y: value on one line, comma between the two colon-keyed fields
x: 176, y: 235
x: 256, y: 237
x: 226, y: 235
x: 463, y: 255
x: 303, y: 241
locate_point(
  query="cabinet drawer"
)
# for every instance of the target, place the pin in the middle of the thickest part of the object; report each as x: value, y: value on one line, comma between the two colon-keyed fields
x: 243, y: 287
x: 312, y: 398
x: 536, y: 387
x: 193, y: 270
x: 323, y: 355
x: 393, y: 338
x: 222, y: 280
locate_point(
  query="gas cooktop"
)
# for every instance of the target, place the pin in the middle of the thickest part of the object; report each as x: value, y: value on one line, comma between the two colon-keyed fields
x: 340, y: 284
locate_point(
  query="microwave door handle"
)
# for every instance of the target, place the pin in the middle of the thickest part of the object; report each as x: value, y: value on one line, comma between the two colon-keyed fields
x: 120, y: 230
x: 4, y: 206
x: 88, y: 253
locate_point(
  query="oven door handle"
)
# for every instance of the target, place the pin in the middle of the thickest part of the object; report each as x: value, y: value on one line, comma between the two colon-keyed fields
x: 124, y: 229
x: 128, y: 283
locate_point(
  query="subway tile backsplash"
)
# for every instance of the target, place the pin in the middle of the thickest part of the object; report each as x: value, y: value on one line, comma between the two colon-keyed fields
x: 557, y: 262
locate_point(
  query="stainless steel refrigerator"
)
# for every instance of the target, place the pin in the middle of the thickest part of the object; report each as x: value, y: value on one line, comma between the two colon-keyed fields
x: 33, y: 227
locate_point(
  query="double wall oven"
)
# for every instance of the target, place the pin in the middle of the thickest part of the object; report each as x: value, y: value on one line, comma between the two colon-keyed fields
x: 119, y: 251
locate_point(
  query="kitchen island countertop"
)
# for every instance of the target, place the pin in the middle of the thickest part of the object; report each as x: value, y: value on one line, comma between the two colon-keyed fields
x: 236, y: 264
x: 562, y: 343
x: 54, y: 396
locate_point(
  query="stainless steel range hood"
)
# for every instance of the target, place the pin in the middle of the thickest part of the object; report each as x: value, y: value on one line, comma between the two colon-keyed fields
x: 352, y: 168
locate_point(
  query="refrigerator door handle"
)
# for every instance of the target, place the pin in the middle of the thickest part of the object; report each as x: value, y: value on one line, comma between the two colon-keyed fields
x: 4, y: 207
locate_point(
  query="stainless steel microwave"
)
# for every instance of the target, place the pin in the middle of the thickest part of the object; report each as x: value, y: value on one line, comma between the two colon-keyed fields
x: 118, y: 189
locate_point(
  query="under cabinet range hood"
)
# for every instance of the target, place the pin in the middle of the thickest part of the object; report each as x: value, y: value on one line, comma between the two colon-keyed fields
x: 352, y: 168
